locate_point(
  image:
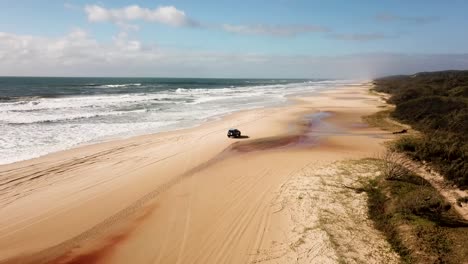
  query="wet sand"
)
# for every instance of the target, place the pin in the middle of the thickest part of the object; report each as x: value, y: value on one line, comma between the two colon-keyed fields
x: 193, y: 196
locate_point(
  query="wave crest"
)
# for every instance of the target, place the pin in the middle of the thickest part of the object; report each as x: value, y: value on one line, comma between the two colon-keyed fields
x: 116, y: 85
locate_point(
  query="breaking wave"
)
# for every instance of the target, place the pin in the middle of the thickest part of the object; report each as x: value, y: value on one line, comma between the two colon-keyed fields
x: 67, y: 115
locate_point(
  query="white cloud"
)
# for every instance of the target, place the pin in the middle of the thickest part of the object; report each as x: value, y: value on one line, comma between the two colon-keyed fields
x: 278, y: 30
x: 168, y: 15
x: 79, y: 54
x: 123, y: 43
x: 75, y: 48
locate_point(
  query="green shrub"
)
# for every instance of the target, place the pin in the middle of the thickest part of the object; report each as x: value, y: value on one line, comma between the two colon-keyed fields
x: 406, y: 144
x: 431, y: 112
x: 432, y: 231
x: 437, y: 105
x: 460, y: 91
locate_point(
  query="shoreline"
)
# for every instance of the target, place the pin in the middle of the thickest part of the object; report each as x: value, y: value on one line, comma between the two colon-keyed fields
x: 146, y: 184
x: 288, y: 99
x: 28, y: 133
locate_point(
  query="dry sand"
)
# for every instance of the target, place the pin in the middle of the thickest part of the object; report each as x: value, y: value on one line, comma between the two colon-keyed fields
x: 195, y: 196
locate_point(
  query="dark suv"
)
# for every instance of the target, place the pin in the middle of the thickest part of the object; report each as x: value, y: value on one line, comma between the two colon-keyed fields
x: 233, y: 133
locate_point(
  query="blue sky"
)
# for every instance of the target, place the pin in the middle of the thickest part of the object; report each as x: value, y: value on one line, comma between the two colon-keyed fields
x: 283, y: 38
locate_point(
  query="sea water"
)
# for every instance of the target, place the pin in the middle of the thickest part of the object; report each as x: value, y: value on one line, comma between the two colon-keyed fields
x: 43, y: 115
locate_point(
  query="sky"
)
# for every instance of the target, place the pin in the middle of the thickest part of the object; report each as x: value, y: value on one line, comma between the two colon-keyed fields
x: 232, y: 39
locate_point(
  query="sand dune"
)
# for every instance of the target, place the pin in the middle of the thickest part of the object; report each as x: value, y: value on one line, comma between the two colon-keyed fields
x: 195, y: 196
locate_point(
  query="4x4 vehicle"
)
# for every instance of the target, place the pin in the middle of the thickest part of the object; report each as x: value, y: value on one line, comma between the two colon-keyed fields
x: 233, y: 133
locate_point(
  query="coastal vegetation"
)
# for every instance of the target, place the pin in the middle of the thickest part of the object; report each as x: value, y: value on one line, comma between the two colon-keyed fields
x: 416, y: 219
x: 418, y: 223
x: 436, y: 104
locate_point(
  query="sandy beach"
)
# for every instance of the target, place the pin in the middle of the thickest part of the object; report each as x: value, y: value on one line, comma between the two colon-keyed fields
x: 276, y: 195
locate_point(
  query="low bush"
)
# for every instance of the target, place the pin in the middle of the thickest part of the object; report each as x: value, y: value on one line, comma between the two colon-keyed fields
x: 406, y: 144
x: 437, y: 105
x: 417, y: 222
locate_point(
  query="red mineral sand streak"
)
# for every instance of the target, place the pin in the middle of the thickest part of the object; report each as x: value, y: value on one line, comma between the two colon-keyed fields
x: 306, y: 137
x: 102, y: 251
x: 297, y: 140
x: 94, y: 256
x: 106, y: 250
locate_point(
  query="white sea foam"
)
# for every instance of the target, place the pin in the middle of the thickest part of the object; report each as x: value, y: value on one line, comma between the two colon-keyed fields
x: 31, y: 127
x: 117, y: 85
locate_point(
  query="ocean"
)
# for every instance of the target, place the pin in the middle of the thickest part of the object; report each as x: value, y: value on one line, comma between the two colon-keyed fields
x: 40, y: 115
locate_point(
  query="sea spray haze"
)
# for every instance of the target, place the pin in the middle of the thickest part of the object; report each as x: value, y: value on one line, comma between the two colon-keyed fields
x: 43, y: 115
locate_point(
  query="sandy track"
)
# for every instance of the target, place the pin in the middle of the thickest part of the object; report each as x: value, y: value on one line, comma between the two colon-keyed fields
x: 192, y: 196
